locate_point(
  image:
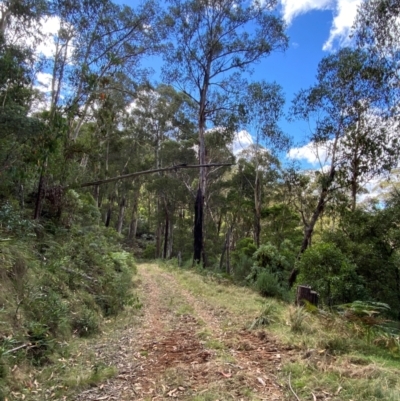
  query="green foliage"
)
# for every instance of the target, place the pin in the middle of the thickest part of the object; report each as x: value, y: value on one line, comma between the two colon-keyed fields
x: 365, y: 308
x: 42, y: 342
x: 242, y: 258
x: 329, y: 272
x: 13, y: 222
x: 242, y: 265
x: 149, y: 252
x: 46, y: 307
x: 244, y: 246
x: 268, y: 256
x: 79, y: 208
x: 85, y: 323
x: 267, y: 284
x: 270, y: 271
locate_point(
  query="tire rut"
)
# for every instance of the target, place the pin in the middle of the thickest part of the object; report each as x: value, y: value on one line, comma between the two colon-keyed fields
x: 167, y: 357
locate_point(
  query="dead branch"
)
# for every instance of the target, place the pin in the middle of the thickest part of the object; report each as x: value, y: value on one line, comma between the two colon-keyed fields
x: 145, y: 172
x: 10, y: 351
x: 291, y: 389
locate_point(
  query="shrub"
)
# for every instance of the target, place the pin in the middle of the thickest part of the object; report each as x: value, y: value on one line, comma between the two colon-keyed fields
x: 149, y: 252
x: 267, y: 284
x: 46, y: 308
x: 242, y: 267
x: 270, y: 271
x: 325, y: 268
x: 42, y: 342
x: 85, y: 323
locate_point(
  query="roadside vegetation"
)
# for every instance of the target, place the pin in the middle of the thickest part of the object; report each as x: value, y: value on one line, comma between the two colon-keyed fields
x: 57, y: 284
x: 351, y: 352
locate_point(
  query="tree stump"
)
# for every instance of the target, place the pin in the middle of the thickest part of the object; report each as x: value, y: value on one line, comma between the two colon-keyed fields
x: 304, y: 292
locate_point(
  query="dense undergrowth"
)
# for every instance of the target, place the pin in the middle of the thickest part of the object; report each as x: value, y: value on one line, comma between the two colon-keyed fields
x: 57, y: 281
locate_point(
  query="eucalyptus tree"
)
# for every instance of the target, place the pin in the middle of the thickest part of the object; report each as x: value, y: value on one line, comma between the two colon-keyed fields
x: 214, y: 41
x: 96, y: 44
x: 351, y: 87
x: 377, y: 28
x: 18, y: 126
x: 163, y: 117
x: 263, y: 109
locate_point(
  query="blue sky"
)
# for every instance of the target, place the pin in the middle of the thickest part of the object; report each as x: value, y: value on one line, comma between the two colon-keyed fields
x: 316, y: 28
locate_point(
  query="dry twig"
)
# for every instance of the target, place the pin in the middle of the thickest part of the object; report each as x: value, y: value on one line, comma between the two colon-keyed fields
x: 291, y: 388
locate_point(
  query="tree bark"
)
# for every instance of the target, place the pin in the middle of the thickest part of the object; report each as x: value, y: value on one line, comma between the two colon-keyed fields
x: 96, y: 194
x: 121, y: 215
x: 228, y: 254
x: 134, y: 219
x: 257, y: 210
x: 166, y: 235
x: 310, y: 227
x: 158, y: 239
x: 39, y: 197
x: 198, y: 227
x: 109, y: 211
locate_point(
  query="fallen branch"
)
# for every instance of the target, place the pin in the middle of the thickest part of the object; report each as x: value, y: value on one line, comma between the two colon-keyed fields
x: 145, y: 172
x: 10, y: 351
x: 291, y: 389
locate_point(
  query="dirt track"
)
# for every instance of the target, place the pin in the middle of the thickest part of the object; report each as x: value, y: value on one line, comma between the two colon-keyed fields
x: 181, y: 348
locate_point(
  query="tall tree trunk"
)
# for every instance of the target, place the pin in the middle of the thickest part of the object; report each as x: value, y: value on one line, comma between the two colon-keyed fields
x: 21, y: 194
x: 199, y: 252
x: 121, y: 215
x: 39, y: 196
x: 228, y: 253
x: 96, y: 194
x: 198, y: 227
x: 170, y: 240
x: 166, y: 235
x: 310, y: 227
x: 134, y: 219
x: 226, y: 250
x: 257, y: 210
x: 219, y: 224
x: 159, y: 239
x: 397, y: 273
x: 109, y: 211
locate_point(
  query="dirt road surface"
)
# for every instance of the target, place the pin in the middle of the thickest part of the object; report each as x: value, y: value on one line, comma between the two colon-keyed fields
x: 182, y: 347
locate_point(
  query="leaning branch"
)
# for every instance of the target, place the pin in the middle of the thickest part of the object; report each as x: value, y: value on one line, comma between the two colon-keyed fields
x: 157, y: 170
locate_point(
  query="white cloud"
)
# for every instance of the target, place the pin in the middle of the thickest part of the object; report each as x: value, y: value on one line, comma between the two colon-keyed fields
x: 49, y: 28
x: 44, y: 80
x: 344, y: 14
x: 241, y: 141
x: 313, y: 154
x: 294, y: 8
x: 346, y: 11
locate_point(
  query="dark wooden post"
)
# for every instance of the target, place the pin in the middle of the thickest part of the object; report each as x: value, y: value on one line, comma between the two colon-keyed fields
x: 304, y: 292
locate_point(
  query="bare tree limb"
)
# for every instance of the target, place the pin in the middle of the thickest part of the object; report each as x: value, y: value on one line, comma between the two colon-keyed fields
x: 10, y: 351
x: 291, y: 388
x: 145, y: 172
